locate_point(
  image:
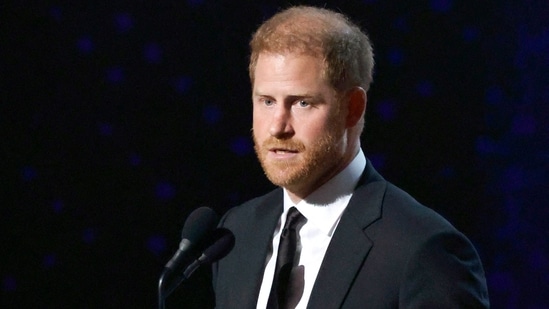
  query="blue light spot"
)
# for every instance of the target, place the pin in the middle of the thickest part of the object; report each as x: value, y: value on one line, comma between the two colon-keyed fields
x: 401, y: 24
x: 425, y: 88
x: 387, y: 110
x: 241, y: 146
x: 56, y: 13
x: 9, y: 284
x: 538, y: 260
x: 396, y: 56
x: 135, y: 159
x: 470, y: 34
x: 105, y: 129
x: 441, y: 6
x: 165, y: 191
x: 485, y: 145
x: 182, y: 84
x: 513, y: 179
x: 156, y: 244
x: 447, y: 172
x: 501, y: 281
x: 115, y: 75
x: 211, y: 114
x: 123, y: 22
x: 153, y: 53
x: 85, y: 45
x: 58, y: 206
x: 89, y: 235
x: 49, y: 260
x: 494, y: 95
x: 524, y: 124
x: 29, y: 173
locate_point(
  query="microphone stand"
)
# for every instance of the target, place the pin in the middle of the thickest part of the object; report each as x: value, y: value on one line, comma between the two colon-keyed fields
x: 161, y: 296
x: 171, y: 278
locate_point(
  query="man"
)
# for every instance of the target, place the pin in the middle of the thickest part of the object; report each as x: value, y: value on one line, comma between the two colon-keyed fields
x: 362, y: 242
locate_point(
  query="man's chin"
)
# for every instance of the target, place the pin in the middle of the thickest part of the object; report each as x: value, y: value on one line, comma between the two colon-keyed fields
x: 284, y: 179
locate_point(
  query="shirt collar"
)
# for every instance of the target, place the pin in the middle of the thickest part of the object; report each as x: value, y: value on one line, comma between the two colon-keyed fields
x: 325, y: 205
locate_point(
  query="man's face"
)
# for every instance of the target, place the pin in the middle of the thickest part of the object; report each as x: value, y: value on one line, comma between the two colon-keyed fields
x: 298, y: 127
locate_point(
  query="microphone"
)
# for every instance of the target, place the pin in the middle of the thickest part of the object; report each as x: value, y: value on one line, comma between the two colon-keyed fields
x: 222, y: 244
x: 198, y: 226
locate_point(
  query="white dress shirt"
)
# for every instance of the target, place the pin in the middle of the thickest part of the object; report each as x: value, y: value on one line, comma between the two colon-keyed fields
x: 323, y: 209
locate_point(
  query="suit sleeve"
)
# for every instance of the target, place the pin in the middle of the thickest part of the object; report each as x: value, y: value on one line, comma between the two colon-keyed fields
x: 444, y: 272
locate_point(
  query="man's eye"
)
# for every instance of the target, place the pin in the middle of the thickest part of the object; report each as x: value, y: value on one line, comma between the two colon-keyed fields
x: 268, y: 102
x: 303, y: 103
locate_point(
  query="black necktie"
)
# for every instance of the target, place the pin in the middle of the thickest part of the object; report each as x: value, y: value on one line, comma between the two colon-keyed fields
x: 286, y: 262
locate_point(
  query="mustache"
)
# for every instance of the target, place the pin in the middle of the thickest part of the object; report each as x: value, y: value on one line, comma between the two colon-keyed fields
x: 289, y: 144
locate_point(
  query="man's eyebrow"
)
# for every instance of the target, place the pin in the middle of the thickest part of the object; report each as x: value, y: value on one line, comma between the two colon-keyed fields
x: 313, y: 97
x: 259, y: 94
x: 293, y: 97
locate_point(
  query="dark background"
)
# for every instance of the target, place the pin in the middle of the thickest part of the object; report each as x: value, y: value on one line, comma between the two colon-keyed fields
x: 119, y: 118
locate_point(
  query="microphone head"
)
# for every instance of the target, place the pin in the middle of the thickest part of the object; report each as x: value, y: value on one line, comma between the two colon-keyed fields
x: 222, y: 243
x: 199, y: 224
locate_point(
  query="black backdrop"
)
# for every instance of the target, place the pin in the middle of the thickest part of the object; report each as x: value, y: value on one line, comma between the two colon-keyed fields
x: 120, y: 117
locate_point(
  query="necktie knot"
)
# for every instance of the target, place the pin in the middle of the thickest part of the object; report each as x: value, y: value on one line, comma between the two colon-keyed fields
x: 294, y: 221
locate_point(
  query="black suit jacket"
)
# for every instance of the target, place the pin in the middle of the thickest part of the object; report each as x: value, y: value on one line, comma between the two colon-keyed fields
x: 388, y: 251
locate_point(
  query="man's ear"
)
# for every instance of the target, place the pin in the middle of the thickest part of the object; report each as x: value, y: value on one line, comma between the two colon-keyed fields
x: 357, y: 106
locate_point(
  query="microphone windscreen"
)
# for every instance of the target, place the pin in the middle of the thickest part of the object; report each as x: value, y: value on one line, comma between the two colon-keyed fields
x: 223, y: 243
x: 199, y: 224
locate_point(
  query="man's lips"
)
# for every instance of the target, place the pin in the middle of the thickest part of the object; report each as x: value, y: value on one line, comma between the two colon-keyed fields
x: 282, y: 151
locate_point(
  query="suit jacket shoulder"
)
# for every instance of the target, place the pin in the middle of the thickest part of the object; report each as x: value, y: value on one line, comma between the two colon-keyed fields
x: 390, y: 251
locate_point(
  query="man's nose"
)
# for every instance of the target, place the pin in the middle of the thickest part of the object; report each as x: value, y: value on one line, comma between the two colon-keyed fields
x: 281, y: 123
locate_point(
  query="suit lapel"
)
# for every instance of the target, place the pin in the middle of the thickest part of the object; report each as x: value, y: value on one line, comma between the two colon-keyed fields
x: 254, y: 245
x: 349, y: 246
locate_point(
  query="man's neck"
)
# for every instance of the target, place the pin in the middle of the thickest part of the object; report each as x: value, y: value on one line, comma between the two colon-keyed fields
x: 297, y: 194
